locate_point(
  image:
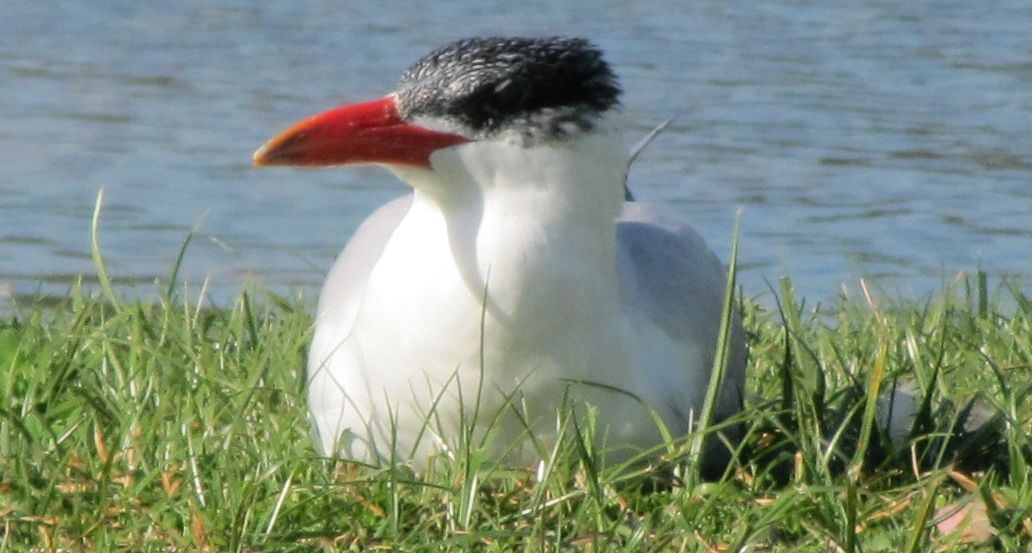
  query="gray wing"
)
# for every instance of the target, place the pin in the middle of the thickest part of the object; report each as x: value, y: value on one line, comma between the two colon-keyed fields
x: 670, y: 275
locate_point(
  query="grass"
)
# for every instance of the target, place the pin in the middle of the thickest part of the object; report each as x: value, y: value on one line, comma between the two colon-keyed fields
x: 164, y: 426
x: 167, y: 426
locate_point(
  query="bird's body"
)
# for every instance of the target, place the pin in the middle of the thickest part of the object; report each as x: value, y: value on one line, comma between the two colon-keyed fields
x: 515, y: 280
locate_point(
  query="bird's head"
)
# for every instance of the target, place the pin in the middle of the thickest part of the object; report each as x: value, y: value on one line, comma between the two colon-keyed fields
x: 523, y: 92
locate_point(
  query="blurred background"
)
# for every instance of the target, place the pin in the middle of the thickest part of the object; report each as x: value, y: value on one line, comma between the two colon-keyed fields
x: 885, y: 140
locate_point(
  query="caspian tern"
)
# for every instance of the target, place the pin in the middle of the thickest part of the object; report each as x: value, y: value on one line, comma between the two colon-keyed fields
x: 514, y: 277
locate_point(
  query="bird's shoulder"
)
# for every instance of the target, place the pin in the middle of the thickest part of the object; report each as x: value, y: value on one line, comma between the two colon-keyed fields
x: 667, y: 272
x: 347, y: 277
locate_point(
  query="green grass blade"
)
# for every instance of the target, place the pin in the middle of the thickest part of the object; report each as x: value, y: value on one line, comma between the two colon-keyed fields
x: 720, y: 359
x: 98, y: 259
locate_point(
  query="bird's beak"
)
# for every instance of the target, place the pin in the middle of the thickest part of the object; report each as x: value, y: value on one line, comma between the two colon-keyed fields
x: 368, y: 132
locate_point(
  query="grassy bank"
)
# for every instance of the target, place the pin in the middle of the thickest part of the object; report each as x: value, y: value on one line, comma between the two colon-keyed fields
x: 147, y: 427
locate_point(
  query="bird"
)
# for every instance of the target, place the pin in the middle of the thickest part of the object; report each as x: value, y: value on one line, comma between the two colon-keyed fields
x: 518, y: 282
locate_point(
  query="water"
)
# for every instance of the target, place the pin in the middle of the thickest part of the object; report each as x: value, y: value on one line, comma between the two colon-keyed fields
x: 888, y: 140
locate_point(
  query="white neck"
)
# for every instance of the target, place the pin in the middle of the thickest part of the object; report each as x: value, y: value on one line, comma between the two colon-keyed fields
x: 526, y: 221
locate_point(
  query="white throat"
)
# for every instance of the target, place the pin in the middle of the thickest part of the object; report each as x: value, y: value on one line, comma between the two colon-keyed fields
x: 524, y: 221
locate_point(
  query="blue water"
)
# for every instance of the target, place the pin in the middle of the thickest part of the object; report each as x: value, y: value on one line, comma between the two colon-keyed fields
x: 885, y: 140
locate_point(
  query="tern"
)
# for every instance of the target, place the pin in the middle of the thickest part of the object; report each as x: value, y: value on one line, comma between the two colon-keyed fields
x: 517, y: 279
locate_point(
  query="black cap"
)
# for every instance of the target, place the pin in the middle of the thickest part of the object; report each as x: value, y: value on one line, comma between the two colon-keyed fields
x: 544, y: 87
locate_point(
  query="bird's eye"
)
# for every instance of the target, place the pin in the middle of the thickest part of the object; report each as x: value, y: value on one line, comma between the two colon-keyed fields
x: 495, y: 100
x: 505, y: 93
